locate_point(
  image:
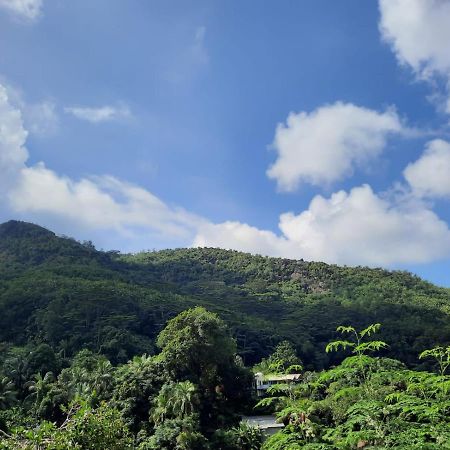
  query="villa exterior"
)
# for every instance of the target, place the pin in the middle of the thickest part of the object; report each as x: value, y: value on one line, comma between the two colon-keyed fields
x: 263, y: 382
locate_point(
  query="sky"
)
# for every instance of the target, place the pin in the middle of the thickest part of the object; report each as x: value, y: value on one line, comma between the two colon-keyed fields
x: 311, y: 129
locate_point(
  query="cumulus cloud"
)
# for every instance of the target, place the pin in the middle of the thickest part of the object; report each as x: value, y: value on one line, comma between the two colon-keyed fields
x: 361, y: 226
x: 328, y: 143
x: 23, y: 9
x: 39, y: 118
x: 99, y: 203
x: 358, y: 227
x: 103, y: 202
x: 429, y: 176
x: 101, y: 114
x: 418, y: 32
x: 240, y: 236
x: 13, y: 153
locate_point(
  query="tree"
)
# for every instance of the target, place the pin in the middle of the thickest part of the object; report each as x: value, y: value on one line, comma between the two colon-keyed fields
x: 136, y: 385
x: 176, y: 401
x: 358, y: 345
x: 176, y: 434
x: 442, y: 357
x: 83, y: 428
x: 7, y: 393
x: 89, y: 376
x: 196, y: 347
x: 39, y: 388
x: 284, y: 359
x: 42, y: 359
x: 17, y: 370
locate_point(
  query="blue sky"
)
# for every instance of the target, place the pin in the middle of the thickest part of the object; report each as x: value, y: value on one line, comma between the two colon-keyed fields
x: 311, y: 129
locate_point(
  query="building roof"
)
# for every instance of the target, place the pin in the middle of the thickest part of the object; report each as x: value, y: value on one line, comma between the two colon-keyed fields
x: 278, y: 377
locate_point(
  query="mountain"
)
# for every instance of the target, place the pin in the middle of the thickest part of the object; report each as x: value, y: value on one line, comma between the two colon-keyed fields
x: 69, y: 295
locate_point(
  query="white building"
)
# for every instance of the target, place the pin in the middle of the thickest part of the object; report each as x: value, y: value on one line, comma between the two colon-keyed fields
x: 263, y: 382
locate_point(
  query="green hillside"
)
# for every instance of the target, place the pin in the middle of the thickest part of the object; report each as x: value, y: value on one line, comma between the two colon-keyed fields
x: 64, y: 293
x: 155, y: 351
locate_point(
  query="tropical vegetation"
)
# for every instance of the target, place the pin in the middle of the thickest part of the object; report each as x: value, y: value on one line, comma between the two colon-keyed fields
x: 157, y: 350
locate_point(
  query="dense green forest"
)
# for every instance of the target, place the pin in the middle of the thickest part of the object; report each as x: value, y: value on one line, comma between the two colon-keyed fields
x: 154, y: 350
x: 70, y: 296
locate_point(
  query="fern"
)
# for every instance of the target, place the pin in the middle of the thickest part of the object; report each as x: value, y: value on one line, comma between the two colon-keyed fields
x: 336, y: 345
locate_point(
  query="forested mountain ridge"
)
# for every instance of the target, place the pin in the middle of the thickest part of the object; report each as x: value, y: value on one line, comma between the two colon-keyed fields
x: 57, y: 291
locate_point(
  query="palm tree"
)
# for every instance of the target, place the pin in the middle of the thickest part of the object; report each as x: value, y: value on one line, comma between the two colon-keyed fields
x: 141, y: 363
x: 7, y: 393
x: 184, y: 398
x: 102, y: 378
x: 39, y: 387
x: 16, y: 368
x: 93, y: 383
x: 175, y: 400
x: 75, y: 381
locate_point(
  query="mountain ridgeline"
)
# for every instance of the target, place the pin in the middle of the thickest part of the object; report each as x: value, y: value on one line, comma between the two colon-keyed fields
x: 57, y: 291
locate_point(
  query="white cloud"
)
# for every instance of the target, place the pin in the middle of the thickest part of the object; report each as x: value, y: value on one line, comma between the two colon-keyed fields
x: 13, y: 153
x: 327, y: 144
x: 98, y: 203
x: 104, y: 202
x: 429, y: 176
x: 362, y: 227
x: 419, y: 32
x: 24, y: 9
x: 240, y: 236
x: 40, y: 118
x: 358, y: 227
x: 102, y: 114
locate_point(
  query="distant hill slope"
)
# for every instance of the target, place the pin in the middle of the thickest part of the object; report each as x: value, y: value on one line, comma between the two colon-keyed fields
x: 56, y: 290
